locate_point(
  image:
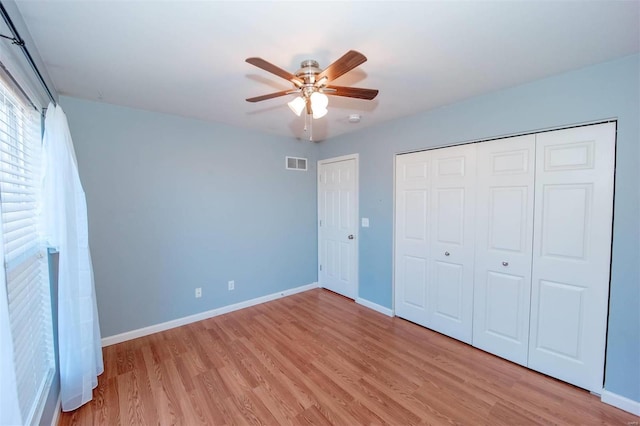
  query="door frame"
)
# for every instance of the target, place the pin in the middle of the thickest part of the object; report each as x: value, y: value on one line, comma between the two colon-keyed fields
x: 356, y: 213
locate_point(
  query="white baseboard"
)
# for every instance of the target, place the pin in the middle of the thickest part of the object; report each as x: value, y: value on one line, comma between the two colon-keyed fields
x: 621, y: 402
x: 134, y: 334
x: 366, y: 303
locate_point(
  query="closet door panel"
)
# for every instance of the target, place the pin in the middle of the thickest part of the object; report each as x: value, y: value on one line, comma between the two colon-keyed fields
x: 412, y: 236
x: 450, y: 287
x: 504, y: 234
x: 448, y: 291
x: 572, y: 251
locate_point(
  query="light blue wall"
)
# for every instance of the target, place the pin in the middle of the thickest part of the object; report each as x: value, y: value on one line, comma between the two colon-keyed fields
x: 609, y: 90
x: 176, y: 204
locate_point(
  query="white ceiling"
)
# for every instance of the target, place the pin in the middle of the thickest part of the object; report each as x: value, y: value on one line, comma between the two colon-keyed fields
x: 187, y: 57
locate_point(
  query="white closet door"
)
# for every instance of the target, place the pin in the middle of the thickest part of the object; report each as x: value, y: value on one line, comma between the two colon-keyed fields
x: 412, y: 236
x: 450, y: 287
x: 504, y: 234
x: 571, y: 255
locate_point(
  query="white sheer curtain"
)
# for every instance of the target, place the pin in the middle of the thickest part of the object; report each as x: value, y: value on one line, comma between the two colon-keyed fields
x: 65, y: 227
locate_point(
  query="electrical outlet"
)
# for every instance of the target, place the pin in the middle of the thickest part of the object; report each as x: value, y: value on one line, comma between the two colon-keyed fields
x: 198, y: 292
x: 232, y: 285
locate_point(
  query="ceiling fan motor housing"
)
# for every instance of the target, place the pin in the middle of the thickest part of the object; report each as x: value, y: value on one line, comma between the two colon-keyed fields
x: 308, y: 71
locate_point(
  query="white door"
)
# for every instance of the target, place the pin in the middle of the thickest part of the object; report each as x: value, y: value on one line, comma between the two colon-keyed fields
x: 338, y: 225
x: 504, y: 235
x: 451, y: 251
x: 412, y: 236
x: 571, y: 253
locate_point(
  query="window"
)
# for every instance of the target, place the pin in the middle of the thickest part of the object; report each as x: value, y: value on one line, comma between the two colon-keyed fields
x: 25, y: 265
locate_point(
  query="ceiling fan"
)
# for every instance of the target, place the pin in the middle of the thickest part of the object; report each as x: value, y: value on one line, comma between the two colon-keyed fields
x: 313, y: 84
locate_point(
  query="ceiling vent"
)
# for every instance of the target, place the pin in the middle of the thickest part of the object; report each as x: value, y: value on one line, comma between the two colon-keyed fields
x: 295, y: 163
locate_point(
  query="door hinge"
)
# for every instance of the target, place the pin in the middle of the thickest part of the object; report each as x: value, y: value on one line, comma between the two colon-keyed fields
x: 321, y: 267
x: 320, y: 222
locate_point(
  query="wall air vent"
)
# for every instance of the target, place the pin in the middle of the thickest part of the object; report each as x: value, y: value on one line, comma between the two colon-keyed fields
x: 295, y: 163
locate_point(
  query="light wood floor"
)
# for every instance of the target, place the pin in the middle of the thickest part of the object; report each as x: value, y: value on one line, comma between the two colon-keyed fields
x: 318, y: 358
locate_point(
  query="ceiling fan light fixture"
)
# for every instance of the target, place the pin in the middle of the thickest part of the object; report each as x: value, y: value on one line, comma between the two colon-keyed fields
x: 297, y: 105
x: 319, y: 112
x: 319, y: 100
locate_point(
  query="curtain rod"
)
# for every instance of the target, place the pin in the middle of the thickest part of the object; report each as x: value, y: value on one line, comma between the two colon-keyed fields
x: 18, y: 41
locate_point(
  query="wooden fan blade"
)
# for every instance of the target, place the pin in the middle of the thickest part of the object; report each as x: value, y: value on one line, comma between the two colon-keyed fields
x: 268, y: 66
x: 346, y: 63
x: 269, y: 96
x: 352, y: 92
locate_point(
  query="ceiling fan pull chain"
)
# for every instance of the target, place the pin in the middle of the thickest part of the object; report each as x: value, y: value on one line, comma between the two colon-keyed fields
x: 308, y: 125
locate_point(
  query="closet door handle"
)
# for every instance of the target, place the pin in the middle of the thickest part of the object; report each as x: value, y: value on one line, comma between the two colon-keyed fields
x: 505, y: 263
x: 446, y: 253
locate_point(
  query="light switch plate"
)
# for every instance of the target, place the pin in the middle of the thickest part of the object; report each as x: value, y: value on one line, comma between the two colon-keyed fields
x: 365, y: 222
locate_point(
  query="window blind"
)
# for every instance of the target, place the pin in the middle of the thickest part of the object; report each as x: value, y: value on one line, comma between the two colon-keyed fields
x: 25, y: 265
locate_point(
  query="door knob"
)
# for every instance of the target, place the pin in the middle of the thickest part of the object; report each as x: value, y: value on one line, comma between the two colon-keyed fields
x: 446, y: 253
x: 505, y: 263
x: 351, y: 237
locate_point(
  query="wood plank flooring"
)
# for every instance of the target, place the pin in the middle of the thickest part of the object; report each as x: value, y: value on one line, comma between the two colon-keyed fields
x: 318, y: 358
